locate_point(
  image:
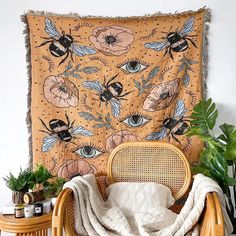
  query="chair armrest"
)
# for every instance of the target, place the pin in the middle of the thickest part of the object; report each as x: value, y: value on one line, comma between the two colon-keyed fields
x: 58, y: 218
x: 212, y: 222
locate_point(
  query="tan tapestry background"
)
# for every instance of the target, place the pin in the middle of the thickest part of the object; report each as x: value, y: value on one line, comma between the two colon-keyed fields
x: 98, y: 82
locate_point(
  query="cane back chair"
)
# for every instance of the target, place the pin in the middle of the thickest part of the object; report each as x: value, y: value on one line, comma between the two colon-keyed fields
x: 139, y: 162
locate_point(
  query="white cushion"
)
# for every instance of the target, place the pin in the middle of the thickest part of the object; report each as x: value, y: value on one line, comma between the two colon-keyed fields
x: 134, y: 198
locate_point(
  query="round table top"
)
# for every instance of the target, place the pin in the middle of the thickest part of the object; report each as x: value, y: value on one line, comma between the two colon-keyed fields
x: 18, y: 225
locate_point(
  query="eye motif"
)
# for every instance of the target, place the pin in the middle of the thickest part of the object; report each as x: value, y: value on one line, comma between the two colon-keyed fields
x: 88, y: 151
x: 133, y: 66
x: 136, y: 120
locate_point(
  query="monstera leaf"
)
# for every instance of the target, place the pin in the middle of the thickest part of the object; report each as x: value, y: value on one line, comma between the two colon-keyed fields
x: 214, y: 165
x: 228, y: 139
x: 204, y: 116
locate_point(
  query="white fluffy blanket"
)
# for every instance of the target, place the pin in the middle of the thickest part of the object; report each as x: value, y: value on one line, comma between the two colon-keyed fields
x: 96, y: 217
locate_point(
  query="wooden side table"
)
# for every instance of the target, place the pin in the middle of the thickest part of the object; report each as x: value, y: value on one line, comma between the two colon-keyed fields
x: 35, y: 226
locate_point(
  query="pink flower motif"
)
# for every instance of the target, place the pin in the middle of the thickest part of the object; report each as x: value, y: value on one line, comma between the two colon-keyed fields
x: 112, y: 40
x: 162, y: 95
x: 60, y: 92
x: 72, y: 168
x: 120, y: 137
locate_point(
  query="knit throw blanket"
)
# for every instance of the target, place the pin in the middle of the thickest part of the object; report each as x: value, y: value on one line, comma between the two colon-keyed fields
x: 94, y: 216
x: 96, y: 82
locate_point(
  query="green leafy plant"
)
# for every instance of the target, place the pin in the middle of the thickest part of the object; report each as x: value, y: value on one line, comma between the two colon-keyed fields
x: 19, y: 183
x: 40, y: 176
x: 54, y: 187
x: 219, y: 152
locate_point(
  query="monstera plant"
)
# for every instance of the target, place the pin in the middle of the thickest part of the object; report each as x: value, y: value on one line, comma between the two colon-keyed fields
x: 219, y: 152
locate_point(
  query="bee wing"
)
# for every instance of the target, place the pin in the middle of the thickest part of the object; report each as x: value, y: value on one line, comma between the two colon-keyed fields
x: 180, y: 109
x: 51, y: 29
x: 81, y: 51
x: 93, y: 85
x: 79, y: 130
x: 157, y: 135
x: 48, y: 142
x: 115, y: 107
x: 157, y: 46
x: 188, y: 26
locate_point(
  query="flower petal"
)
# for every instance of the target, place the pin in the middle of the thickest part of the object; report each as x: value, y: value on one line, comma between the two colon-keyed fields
x: 125, y: 29
x: 125, y: 39
x: 113, y: 47
x: 95, y: 42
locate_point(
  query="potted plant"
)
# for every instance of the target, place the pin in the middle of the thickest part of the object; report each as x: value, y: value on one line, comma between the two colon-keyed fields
x: 219, y: 152
x: 39, y: 178
x: 19, y: 185
x: 54, y: 188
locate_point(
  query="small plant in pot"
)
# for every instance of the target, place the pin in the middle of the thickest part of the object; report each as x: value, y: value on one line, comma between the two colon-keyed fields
x: 19, y: 185
x: 219, y: 152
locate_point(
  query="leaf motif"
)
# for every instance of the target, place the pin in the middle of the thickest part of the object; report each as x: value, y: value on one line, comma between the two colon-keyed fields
x: 109, y: 126
x: 90, y: 70
x: 68, y: 66
x: 86, y: 116
x: 191, y: 62
x: 77, y: 67
x: 141, y: 91
x: 143, y: 80
x: 66, y: 74
x: 137, y: 84
x: 186, y: 80
x: 181, y: 67
x: 77, y: 76
x: 108, y: 118
x: 148, y: 86
x: 153, y: 73
x: 100, y: 117
x: 99, y: 125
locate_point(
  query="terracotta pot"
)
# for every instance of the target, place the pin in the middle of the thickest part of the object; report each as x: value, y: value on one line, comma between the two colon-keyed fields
x: 18, y: 197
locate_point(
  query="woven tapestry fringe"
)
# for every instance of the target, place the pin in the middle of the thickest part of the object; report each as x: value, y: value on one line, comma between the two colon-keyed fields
x: 28, y: 116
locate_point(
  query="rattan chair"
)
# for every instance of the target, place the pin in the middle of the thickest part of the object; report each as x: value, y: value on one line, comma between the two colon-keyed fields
x: 139, y: 162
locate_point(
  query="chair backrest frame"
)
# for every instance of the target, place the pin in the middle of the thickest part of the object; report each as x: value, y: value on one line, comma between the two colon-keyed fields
x: 152, y: 148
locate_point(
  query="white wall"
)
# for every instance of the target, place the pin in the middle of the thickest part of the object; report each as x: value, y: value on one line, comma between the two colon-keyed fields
x: 13, y: 81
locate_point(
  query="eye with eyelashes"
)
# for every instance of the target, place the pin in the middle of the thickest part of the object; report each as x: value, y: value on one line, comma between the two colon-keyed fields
x: 132, y: 66
x: 136, y: 120
x: 88, y: 151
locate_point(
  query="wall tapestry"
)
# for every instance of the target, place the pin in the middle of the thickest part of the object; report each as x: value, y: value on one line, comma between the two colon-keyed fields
x: 96, y: 82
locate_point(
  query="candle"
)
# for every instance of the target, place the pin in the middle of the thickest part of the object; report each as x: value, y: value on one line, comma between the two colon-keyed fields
x: 38, y: 209
x: 46, y: 206
x: 29, y: 211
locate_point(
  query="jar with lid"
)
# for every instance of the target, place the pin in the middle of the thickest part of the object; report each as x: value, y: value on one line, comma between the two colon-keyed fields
x: 19, y: 211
